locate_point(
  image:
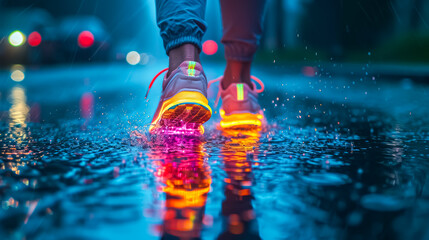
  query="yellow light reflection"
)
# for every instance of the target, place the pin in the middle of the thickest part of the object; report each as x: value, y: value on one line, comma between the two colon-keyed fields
x: 235, y: 152
x: 17, y: 73
x: 19, y: 110
x: 18, y: 116
x: 239, y: 153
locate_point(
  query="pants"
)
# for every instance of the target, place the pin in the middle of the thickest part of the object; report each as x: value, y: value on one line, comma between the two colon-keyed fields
x: 182, y: 21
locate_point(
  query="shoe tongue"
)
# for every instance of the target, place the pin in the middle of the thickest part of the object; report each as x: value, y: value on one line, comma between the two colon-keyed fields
x: 240, y: 90
x: 234, y: 86
x: 190, y: 68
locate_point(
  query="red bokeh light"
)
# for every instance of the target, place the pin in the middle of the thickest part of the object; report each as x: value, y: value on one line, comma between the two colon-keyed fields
x: 34, y: 39
x: 87, y: 106
x: 210, y: 47
x: 309, y: 71
x: 85, y: 39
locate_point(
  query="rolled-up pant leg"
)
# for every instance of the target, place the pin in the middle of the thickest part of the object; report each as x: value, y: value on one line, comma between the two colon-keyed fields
x: 180, y: 22
x: 242, y: 27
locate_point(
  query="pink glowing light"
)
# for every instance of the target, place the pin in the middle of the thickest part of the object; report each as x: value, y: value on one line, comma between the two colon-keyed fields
x: 34, y: 39
x: 187, y: 130
x: 85, y: 39
x: 210, y: 47
x: 309, y: 71
x: 87, y: 105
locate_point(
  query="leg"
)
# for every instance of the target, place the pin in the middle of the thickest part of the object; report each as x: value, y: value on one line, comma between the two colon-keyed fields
x: 183, y: 106
x: 242, y: 30
x: 182, y: 27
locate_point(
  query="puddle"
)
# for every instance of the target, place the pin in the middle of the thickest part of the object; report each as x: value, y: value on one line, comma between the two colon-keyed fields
x: 85, y: 167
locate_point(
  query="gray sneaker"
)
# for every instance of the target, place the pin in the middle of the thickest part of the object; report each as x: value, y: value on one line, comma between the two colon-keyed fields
x: 183, y: 106
x: 240, y: 107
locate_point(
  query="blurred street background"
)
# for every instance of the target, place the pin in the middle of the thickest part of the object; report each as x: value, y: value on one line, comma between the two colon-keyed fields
x: 355, y: 31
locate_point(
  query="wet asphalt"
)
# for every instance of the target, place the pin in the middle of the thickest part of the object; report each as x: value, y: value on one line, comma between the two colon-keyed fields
x: 344, y: 156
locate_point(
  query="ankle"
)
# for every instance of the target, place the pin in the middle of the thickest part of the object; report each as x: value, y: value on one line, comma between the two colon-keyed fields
x: 185, y: 52
x: 236, y: 72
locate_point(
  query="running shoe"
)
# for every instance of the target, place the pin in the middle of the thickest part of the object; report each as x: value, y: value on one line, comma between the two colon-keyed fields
x: 240, y: 107
x: 183, y: 106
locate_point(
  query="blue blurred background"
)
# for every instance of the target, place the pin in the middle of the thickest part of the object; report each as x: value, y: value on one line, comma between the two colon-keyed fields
x: 385, y: 31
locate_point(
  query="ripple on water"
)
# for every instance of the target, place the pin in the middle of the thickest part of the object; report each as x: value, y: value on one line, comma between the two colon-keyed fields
x: 326, y: 179
x: 383, y: 203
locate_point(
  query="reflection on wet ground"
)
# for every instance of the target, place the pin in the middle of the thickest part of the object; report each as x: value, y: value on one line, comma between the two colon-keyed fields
x: 342, y: 158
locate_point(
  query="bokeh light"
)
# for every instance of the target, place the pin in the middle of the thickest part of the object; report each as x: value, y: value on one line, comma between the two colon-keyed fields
x: 85, y: 39
x: 16, y: 38
x: 144, y: 59
x: 17, y: 75
x: 34, y: 39
x: 19, y: 109
x: 210, y: 47
x: 309, y: 71
x: 133, y: 58
x: 87, y: 105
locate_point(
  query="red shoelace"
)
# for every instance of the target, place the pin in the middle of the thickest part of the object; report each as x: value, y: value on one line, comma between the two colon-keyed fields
x: 153, y: 80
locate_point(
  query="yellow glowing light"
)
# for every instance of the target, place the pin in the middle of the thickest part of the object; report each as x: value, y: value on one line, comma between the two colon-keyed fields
x: 222, y: 112
x: 185, y: 203
x: 188, y: 194
x: 16, y: 38
x: 240, y: 123
x: 133, y: 58
x: 201, y: 129
x: 19, y: 109
x: 191, y: 68
x: 18, y: 114
x: 17, y: 75
x: 240, y: 92
x: 240, y: 119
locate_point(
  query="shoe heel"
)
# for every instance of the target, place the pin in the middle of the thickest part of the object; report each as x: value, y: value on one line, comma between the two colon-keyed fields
x: 188, y: 107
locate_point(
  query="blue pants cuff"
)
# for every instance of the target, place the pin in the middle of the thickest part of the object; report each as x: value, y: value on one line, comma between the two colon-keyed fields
x: 179, y: 41
x: 240, y: 51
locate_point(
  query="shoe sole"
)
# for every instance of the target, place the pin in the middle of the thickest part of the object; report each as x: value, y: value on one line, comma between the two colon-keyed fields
x: 184, y: 113
x: 241, y: 120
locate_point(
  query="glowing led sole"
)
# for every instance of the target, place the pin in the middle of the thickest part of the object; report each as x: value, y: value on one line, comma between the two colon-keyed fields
x: 241, y: 120
x: 182, y: 114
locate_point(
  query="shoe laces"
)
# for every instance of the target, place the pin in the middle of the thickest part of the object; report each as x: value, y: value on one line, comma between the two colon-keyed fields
x: 153, y: 80
x: 259, y: 81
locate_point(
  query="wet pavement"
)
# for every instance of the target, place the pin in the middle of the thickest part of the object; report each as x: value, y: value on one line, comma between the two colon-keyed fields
x: 343, y: 157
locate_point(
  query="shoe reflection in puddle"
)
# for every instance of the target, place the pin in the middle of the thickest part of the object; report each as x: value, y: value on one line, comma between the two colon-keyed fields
x: 241, y: 149
x: 181, y: 168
